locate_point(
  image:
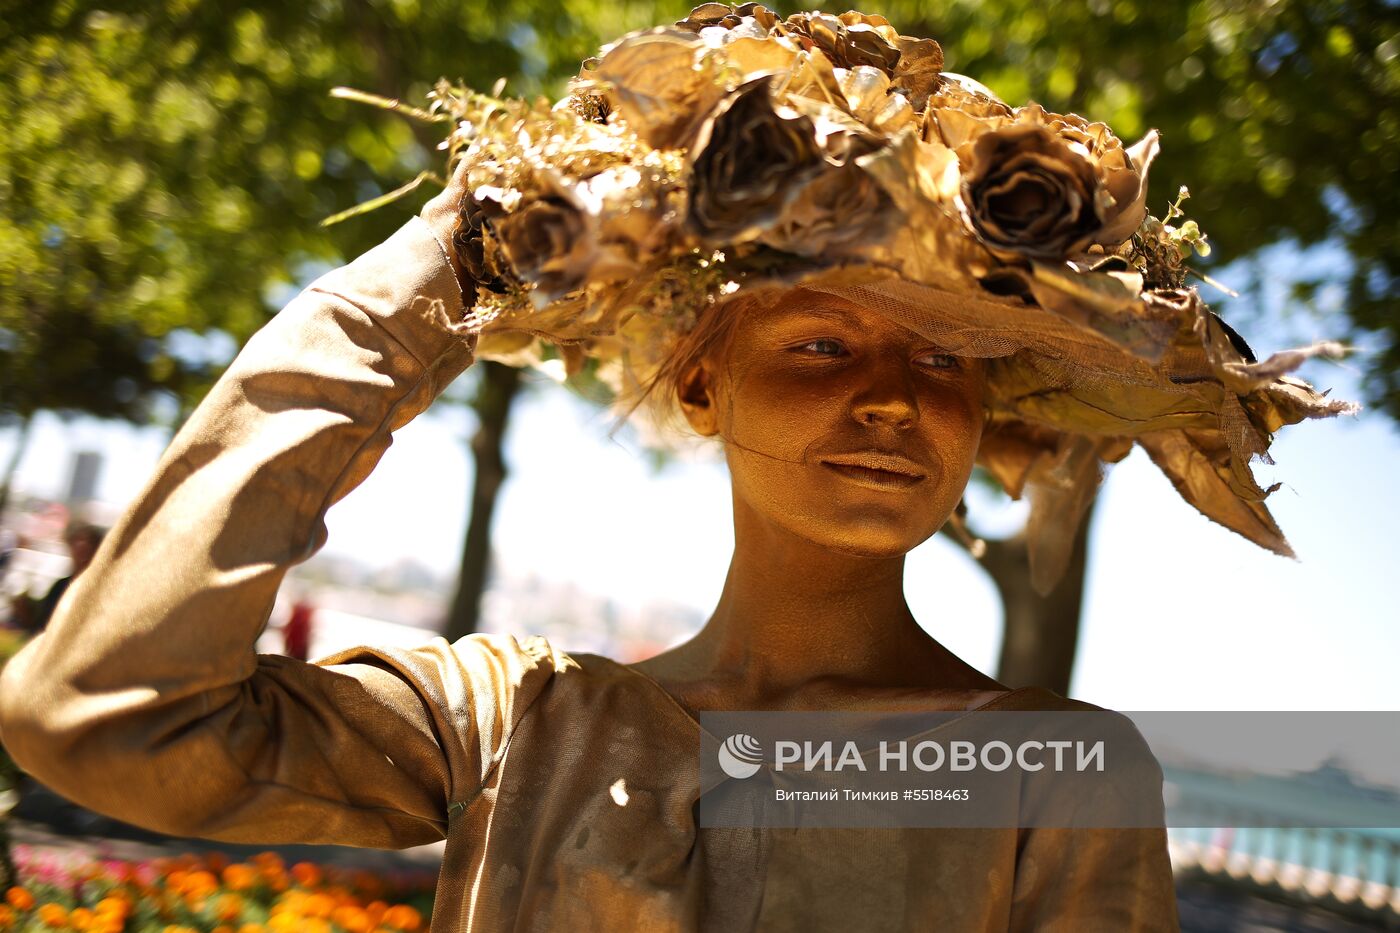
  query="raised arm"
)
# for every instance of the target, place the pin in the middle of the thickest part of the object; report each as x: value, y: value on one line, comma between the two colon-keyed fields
x: 145, y: 700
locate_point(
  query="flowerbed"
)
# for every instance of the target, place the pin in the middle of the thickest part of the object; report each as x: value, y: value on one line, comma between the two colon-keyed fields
x: 211, y: 894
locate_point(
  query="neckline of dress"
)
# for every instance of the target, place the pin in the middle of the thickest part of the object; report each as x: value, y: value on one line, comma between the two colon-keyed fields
x: 680, y: 707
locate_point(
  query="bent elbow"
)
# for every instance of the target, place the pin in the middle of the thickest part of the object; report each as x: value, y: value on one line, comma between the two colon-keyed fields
x: 54, y: 732
x: 128, y: 753
x: 29, y: 720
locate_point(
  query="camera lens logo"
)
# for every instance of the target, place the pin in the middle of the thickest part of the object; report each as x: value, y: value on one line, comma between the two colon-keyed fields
x: 740, y: 756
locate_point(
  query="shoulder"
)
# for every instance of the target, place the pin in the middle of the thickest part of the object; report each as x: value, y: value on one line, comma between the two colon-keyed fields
x: 485, y: 680
x: 496, y: 675
x: 1089, y: 722
x: 1041, y: 699
x: 507, y: 656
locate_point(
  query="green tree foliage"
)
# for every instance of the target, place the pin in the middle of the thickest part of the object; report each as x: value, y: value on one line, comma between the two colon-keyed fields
x: 164, y: 165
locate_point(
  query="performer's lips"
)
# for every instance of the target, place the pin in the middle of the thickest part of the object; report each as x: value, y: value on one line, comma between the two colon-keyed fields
x: 877, y: 468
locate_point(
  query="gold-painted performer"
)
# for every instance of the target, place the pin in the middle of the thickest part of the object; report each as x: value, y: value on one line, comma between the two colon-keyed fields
x: 860, y: 275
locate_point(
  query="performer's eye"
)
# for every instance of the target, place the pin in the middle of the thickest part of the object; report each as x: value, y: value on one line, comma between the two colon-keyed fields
x: 824, y: 347
x: 940, y: 360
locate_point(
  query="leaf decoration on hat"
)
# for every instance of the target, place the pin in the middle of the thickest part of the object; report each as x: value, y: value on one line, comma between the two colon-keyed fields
x: 1109, y: 303
x: 1289, y: 400
x: 659, y: 85
x: 1061, y: 489
x: 1204, y: 481
x: 918, y: 72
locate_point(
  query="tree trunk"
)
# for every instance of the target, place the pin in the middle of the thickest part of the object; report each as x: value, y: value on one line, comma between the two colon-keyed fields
x: 498, y: 388
x: 1040, y: 633
x: 11, y: 468
x: 499, y: 383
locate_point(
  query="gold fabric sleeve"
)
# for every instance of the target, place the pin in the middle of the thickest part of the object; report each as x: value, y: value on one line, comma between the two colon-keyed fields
x: 145, y: 700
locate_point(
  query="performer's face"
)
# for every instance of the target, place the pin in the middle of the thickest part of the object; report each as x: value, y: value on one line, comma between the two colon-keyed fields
x: 811, y: 378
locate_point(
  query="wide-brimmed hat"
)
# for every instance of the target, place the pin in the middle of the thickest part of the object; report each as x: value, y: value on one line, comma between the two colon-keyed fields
x: 737, y: 151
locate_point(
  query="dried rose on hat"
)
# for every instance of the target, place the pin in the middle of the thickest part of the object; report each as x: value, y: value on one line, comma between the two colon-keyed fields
x: 849, y: 40
x: 834, y: 215
x: 1025, y: 191
x: 749, y: 162
x: 545, y: 242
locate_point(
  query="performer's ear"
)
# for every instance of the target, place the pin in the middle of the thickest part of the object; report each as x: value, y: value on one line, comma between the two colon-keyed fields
x: 695, y: 391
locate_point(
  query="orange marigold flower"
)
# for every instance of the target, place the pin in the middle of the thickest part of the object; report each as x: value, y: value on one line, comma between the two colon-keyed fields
x: 306, y: 874
x: 403, y: 917
x: 7, y: 917
x: 292, y: 901
x: 267, y: 860
x: 240, y: 877
x: 81, y: 918
x: 228, y: 907
x: 53, y: 915
x: 19, y: 899
x: 318, y: 905
x: 352, y: 919
x: 252, y: 928
x: 201, y: 884
x: 116, y: 904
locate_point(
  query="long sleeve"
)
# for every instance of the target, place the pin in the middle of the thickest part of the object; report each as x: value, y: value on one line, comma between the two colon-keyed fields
x: 145, y: 699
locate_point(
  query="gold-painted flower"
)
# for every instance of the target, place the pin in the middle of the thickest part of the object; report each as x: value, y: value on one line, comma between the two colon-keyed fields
x: 546, y: 244
x: 747, y: 18
x: 960, y: 110
x: 1048, y: 187
x: 660, y: 84
x: 1122, y: 172
x: 839, y: 211
x: 751, y: 158
x: 849, y: 40
x: 480, y: 254
x: 1025, y: 191
x: 1026, y: 187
